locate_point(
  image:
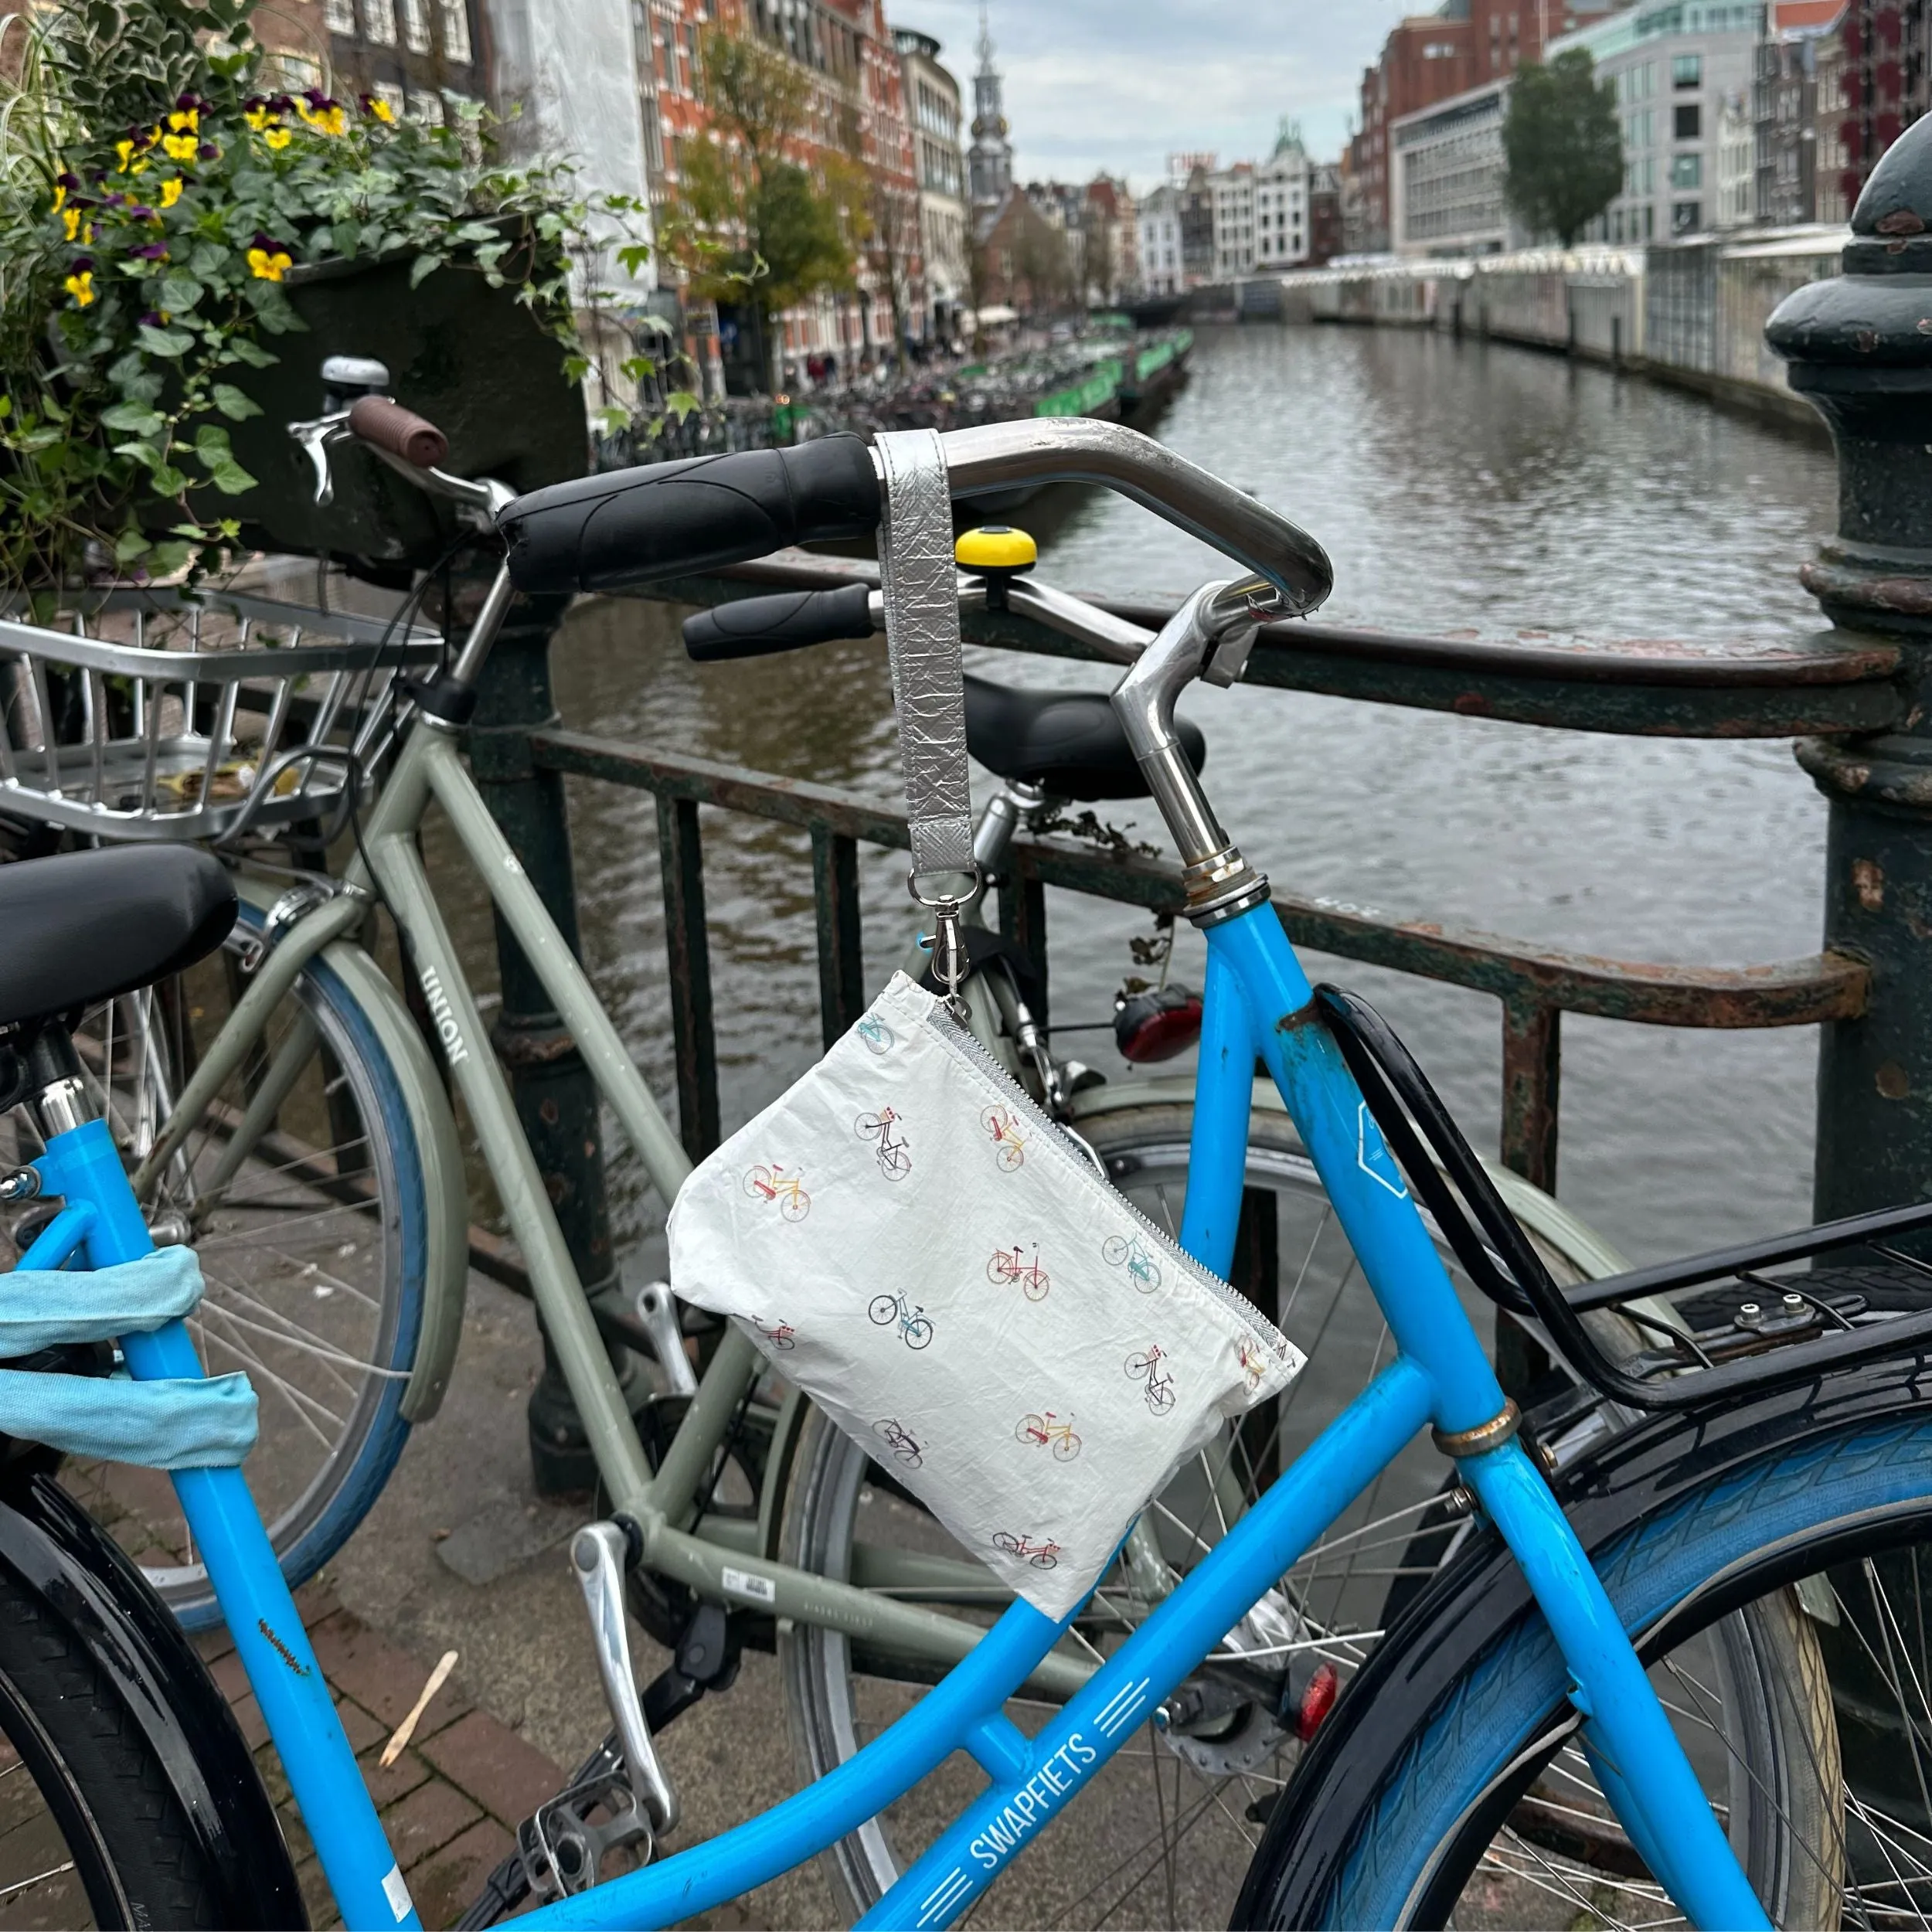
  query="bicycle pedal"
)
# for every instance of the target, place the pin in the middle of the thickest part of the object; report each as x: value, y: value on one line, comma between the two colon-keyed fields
x: 563, y: 1846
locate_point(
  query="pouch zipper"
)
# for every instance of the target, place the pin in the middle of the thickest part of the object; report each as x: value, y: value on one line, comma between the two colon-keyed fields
x: 968, y: 1047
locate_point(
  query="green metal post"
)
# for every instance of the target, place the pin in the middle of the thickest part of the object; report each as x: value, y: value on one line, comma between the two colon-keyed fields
x: 556, y: 1100
x: 1860, y: 347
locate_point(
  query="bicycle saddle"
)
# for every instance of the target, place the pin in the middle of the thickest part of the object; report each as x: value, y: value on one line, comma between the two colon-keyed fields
x: 88, y: 925
x: 1068, y: 743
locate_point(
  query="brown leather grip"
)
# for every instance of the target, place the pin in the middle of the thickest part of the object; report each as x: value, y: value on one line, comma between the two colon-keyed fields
x: 402, y: 432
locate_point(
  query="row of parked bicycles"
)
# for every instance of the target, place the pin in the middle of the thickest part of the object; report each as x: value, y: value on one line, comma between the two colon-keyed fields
x: 1396, y: 1647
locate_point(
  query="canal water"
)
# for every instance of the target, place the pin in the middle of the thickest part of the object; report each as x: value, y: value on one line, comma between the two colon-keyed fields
x: 1455, y: 484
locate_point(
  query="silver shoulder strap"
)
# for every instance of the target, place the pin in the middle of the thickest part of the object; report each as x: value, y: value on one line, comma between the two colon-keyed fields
x: 922, y: 633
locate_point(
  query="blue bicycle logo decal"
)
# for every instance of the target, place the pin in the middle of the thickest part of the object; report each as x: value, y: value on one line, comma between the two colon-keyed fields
x: 914, y: 1330
x: 876, y: 1034
x: 1130, y: 1252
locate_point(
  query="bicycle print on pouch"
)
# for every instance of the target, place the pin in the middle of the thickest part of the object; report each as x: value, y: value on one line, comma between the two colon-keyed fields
x: 1042, y: 1556
x: 1040, y: 1430
x: 914, y: 1329
x: 1146, y: 1366
x: 1128, y: 1251
x: 780, y: 1335
x: 895, y: 1158
x: 876, y: 1034
x: 1009, y: 1143
x: 896, y: 1437
x: 773, y: 1183
x: 1010, y: 1265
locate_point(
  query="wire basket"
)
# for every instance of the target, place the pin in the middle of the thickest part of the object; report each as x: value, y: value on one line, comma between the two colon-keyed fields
x: 167, y: 715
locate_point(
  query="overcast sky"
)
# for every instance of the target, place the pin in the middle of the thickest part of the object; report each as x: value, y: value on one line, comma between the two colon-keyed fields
x: 1120, y: 84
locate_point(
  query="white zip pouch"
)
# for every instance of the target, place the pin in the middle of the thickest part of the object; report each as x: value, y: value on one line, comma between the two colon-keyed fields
x: 916, y: 1244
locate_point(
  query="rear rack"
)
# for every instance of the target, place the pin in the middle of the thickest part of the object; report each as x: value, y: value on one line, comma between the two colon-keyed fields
x: 168, y: 715
x: 1751, y: 1335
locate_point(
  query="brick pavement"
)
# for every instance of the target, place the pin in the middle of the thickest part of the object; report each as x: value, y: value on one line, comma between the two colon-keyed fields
x: 450, y: 1803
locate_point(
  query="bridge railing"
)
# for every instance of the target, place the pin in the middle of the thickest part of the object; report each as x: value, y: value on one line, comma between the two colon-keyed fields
x: 1822, y: 686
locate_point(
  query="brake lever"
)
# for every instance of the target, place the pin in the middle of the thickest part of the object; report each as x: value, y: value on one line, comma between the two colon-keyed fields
x: 318, y: 435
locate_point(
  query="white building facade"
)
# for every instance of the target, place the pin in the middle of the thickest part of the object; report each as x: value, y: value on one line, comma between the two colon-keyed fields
x: 1233, y: 191
x: 1674, y: 66
x: 933, y: 108
x: 1157, y: 222
x: 1446, y: 177
x: 1281, y: 190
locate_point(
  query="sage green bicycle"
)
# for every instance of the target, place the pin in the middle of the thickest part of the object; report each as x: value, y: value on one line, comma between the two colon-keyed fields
x: 305, y: 1143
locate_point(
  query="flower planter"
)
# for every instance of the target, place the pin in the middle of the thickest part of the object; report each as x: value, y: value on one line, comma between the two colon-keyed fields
x: 472, y: 359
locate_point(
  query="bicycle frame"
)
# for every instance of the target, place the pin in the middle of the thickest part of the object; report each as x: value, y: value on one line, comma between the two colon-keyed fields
x: 1257, y: 1004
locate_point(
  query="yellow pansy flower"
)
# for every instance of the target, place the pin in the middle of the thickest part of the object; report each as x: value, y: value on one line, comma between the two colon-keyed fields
x: 71, y: 218
x: 257, y: 118
x: 381, y: 109
x: 125, y: 149
x: 170, y: 191
x: 187, y: 118
x: 59, y: 196
x: 180, y: 147
x: 268, y: 265
x: 277, y: 138
x: 328, y: 120
x: 81, y: 287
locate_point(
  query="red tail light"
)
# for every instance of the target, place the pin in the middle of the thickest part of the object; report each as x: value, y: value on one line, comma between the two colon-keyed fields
x: 1157, y: 1024
x: 1317, y: 1701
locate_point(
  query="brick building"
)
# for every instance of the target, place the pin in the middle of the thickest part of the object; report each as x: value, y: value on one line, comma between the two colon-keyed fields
x: 858, y: 94
x: 1429, y: 58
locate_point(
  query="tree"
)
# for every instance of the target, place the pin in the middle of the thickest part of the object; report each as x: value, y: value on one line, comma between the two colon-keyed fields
x: 751, y: 226
x: 1561, y: 146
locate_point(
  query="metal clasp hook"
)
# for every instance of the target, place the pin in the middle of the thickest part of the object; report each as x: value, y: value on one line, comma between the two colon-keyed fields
x: 951, y: 961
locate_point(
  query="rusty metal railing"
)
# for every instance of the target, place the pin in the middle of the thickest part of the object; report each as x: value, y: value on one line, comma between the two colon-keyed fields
x: 1822, y: 686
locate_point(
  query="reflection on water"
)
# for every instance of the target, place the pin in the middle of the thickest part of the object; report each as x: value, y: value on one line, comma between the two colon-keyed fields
x: 1453, y: 484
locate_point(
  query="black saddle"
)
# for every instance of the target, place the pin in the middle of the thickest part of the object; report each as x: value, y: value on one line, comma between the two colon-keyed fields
x: 88, y: 925
x: 1068, y: 743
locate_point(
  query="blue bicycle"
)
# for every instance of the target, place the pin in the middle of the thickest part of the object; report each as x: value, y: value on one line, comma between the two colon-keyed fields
x: 1610, y: 1701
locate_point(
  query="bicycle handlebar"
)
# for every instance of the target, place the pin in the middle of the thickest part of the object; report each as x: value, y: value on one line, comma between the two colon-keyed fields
x: 665, y: 519
x: 757, y: 627
x: 403, y: 434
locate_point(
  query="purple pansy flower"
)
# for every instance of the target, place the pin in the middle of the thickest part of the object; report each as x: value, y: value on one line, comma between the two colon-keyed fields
x: 154, y: 252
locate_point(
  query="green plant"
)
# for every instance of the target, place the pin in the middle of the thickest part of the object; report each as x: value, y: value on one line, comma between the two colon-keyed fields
x: 155, y: 193
x: 1562, y: 145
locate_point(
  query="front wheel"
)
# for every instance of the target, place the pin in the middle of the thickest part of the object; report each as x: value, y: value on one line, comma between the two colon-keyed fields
x: 884, y: 1309
x: 1474, y: 1803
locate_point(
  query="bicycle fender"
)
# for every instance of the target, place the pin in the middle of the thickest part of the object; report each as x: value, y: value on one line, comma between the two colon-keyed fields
x: 82, y: 1581
x: 1639, y: 1472
x: 446, y: 1259
x: 446, y: 1271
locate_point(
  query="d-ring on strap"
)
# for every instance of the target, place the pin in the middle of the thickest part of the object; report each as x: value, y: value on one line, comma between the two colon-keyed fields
x: 922, y: 635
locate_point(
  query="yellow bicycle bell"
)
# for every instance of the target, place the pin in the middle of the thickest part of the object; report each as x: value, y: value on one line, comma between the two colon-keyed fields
x: 999, y: 553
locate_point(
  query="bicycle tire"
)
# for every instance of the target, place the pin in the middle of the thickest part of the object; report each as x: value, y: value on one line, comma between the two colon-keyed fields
x: 820, y: 1670
x: 100, y: 1786
x: 1435, y: 1783
x: 310, y: 1525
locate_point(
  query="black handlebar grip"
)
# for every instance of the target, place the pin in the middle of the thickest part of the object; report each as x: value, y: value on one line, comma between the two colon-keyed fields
x: 666, y: 519
x: 757, y: 627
